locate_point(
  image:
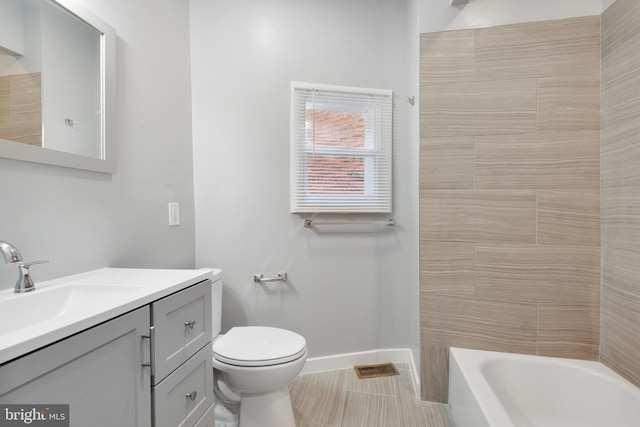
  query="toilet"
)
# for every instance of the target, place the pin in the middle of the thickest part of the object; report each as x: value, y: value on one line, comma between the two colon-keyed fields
x: 253, y: 366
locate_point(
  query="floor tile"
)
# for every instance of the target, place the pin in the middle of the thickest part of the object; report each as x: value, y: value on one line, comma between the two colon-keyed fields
x: 339, y: 399
x: 370, y: 410
x: 319, y: 398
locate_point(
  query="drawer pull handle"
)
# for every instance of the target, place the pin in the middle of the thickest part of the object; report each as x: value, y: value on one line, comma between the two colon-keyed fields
x: 190, y: 323
x: 191, y: 395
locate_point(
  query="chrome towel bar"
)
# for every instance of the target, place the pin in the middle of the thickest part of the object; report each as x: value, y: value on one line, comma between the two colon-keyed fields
x: 308, y: 223
x: 259, y: 278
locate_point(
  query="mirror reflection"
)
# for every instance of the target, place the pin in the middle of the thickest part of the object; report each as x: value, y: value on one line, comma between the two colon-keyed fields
x: 50, y: 78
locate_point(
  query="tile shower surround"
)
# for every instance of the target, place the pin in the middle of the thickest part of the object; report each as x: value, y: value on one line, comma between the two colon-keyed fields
x: 509, y: 192
x: 620, y: 308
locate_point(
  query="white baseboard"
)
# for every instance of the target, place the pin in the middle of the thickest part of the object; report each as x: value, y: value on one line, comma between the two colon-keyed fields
x: 348, y: 360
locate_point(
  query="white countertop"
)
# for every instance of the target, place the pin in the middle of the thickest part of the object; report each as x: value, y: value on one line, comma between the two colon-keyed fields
x: 22, y: 332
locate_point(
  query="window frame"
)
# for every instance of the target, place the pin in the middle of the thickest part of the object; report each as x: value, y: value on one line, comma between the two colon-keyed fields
x: 377, y: 107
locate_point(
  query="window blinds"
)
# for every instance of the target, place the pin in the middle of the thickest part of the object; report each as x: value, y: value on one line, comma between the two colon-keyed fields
x: 341, y: 149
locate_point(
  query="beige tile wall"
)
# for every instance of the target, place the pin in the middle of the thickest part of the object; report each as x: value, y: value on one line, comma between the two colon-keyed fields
x: 620, y: 309
x: 21, y: 108
x: 510, y: 192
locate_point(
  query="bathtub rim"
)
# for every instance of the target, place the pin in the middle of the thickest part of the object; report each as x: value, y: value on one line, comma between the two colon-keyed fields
x: 468, y: 363
x: 471, y: 363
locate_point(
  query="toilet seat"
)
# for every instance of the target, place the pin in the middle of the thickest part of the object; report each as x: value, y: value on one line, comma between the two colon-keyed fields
x: 259, y: 346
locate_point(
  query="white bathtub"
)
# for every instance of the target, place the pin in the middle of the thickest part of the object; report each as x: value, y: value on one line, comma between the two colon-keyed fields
x: 490, y: 389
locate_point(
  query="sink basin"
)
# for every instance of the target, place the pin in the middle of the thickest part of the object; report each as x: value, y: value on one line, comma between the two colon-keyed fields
x: 47, y: 304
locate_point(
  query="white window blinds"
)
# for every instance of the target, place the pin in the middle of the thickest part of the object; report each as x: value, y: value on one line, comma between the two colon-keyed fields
x: 341, y: 148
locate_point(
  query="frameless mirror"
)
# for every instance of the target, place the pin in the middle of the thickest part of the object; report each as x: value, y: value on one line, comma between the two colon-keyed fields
x: 57, y: 85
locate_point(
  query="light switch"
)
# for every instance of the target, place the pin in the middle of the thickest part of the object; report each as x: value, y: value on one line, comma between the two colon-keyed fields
x: 174, y: 214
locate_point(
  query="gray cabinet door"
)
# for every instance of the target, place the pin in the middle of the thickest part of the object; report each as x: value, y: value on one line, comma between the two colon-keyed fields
x: 98, y: 372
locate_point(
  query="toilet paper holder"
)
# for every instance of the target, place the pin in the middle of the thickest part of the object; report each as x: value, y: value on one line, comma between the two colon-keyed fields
x: 259, y: 278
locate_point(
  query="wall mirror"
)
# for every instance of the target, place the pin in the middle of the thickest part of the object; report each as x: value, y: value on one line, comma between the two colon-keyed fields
x: 57, y: 85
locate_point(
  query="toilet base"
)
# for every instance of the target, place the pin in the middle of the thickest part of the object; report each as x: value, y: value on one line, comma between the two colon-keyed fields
x: 269, y: 409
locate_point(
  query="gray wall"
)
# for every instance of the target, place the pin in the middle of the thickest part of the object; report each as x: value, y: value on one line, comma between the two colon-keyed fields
x: 348, y: 291
x: 83, y: 220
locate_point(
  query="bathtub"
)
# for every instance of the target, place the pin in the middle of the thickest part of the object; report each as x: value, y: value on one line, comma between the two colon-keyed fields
x: 490, y: 389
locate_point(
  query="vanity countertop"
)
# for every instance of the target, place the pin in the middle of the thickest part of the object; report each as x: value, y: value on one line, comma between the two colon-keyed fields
x: 62, y: 307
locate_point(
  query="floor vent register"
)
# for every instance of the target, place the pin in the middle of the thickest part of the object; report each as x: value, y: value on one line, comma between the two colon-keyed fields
x: 375, y: 371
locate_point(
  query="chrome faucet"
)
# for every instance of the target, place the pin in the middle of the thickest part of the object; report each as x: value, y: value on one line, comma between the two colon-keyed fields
x: 11, y: 256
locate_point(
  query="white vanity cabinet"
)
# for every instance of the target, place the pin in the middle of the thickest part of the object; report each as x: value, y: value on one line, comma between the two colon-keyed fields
x: 151, y: 366
x: 97, y: 372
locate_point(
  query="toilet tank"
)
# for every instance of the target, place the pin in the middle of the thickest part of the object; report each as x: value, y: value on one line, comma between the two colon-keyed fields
x: 216, y: 300
x: 216, y: 305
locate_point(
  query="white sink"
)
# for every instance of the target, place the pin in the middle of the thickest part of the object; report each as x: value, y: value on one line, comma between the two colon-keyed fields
x: 47, y: 304
x: 62, y: 307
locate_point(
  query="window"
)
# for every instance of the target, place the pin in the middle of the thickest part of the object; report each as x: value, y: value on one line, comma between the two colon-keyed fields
x: 340, y: 149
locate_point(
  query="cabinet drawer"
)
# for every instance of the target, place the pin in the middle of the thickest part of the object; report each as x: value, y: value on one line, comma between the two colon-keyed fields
x: 208, y: 419
x: 183, y: 397
x: 182, y: 324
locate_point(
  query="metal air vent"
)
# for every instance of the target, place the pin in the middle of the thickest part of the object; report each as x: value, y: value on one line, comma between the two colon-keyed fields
x: 376, y: 370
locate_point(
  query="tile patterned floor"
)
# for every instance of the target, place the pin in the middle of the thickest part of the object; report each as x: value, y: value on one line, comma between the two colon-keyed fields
x: 340, y: 399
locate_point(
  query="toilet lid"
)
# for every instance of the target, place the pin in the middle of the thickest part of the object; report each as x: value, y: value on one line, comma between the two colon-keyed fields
x: 259, y: 346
